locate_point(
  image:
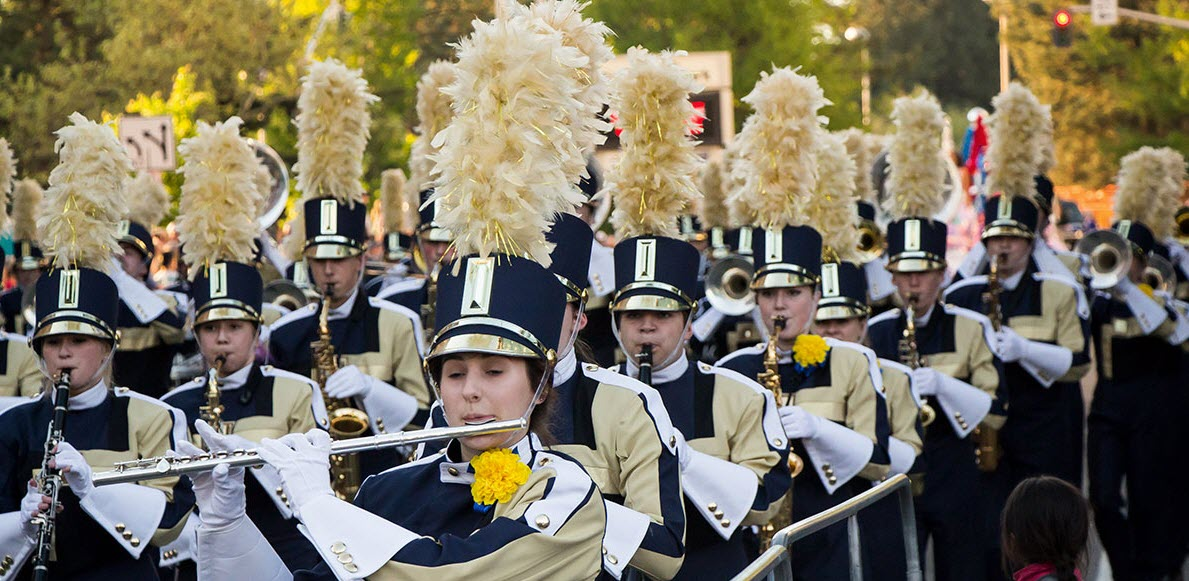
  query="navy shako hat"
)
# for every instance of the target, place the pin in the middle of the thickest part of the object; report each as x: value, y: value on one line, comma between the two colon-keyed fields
x: 741, y: 241
x: 500, y: 305
x: 76, y: 301
x: 227, y: 291
x: 397, y: 246
x: 428, y: 211
x: 27, y: 255
x: 1138, y: 234
x: 1044, y: 193
x: 572, y: 239
x: 787, y: 257
x: 844, y: 292
x: 1017, y: 217
x: 655, y: 273
x: 866, y: 211
x: 691, y: 228
x: 136, y: 235
x: 334, y: 230
x: 916, y: 245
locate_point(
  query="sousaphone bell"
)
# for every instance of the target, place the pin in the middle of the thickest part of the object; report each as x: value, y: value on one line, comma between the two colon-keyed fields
x: 1109, y: 257
x: 728, y: 286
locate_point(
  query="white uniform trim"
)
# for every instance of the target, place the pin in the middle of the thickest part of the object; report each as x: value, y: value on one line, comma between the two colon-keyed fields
x: 183, y: 548
x: 295, y: 315
x: 138, y: 507
x: 981, y: 319
x: 396, y: 288
x: 752, y: 350
x: 316, y: 402
x: 965, y: 282
x: 890, y: 314
x: 902, y: 456
x: 388, y: 406
x: 1079, y: 292
x: 907, y: 371
x: 872, y: 362
x: 839, y: 449
x: 238, y: 551
x: 178, y: 430
x: 625, y: 531
x: 707, y: 481
x: 372, y: 540
x: 14, y: 543
x: 706, y: 323
x: 879, y: 280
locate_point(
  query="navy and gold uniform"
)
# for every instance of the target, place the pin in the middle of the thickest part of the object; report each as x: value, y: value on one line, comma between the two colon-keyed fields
x: 1131, y: 436
x: 20, y: 378
x: 152, y: 325
x: 736, y: 468
x: 262, y: 402
x: 10, y: 310
x: 844, y: 390
x: 106, y: 534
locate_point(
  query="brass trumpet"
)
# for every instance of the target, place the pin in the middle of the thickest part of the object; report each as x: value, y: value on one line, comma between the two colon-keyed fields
x: 728, y: 286
x: 1160, y: 274
x: 1110, y: 257
x: 871, y: 241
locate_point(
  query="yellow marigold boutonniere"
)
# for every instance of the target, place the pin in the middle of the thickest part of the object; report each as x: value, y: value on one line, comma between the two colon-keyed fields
x: 498, y: 473
x: 1146, y: 289
x: 809, y: 351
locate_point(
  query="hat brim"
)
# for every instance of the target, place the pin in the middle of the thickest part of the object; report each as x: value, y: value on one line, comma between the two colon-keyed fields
x: 72, y: 323
x: 331, y: 250
x: 906, y: 264
x: 650, y: 297
x: 783, y: 276
x: 839, y: 309
x: 1008, y: 228
x: 489, y: 336
x: 226, y: 311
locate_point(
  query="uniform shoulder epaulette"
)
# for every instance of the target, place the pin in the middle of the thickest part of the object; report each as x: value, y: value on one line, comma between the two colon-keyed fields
x: 1078, y: 291
x: 195, y: 383
x: 896, y: 365
x: 404, y: 286
x: 380, y: 303
x: 888, y: 315
x: 733, y: 376
x: 31, y: 400
x: 295, y: 315
x: 965, y: 282
x: 749, y: 350
x: 654, y: 406
x: 176, y: 416
x: 408, y: 465
x: 270, y: 371
x: 977, y: 317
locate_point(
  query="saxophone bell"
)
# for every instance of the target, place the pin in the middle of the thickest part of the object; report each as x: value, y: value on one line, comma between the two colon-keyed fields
x: 347, y: 418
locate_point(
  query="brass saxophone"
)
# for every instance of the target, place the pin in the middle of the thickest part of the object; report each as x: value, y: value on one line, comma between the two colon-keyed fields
x: 986, y: 439
x: 911, y: 356
x: 212, y: 412
x: 428, y: 318
x: 770, y: 379
x: 347, y: 420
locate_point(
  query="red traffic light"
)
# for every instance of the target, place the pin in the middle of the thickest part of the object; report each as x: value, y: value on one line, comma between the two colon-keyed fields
x: 1061, y: 18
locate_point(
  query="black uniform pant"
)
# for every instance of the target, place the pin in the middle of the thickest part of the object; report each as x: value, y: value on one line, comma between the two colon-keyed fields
x: 1129, y: 435
x: 950, y: 510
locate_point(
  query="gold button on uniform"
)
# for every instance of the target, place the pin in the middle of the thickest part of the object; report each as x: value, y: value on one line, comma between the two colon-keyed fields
x: 452, y: 470
x: 611, y: 559
x: 127, y: 535
x: 542, y: 521
x: 672, y: 440
x: 119, y: 527
x: 712, y: 506
x: 778, y: 442
x: 718, y: 514
x: 351, y: 568
x: 543, y: 462
x: 346, y: 558
x: 726, y: 523
x: 338, y: 548
x: 135, y: 542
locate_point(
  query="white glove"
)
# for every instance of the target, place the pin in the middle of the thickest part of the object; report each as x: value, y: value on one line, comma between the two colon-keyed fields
x: 1009, y: 345
x: 303, y: 461
x: 219, y: 493
x: 684, y: 452
x: 30, y: 508
x: 217, y: 442
x: 74, y: 469
x: 799, y: 423
x: 925, y: 380
x: 348, y: 382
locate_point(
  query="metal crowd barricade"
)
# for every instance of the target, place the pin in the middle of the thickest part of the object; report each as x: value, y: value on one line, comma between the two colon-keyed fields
x: 774, y: 564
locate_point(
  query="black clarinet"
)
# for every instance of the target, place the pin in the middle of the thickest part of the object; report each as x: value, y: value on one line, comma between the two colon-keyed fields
x: 645, y: 359
x: 50, y: 479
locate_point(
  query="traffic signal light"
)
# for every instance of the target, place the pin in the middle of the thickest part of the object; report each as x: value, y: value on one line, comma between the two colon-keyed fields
x: 1062, y: 33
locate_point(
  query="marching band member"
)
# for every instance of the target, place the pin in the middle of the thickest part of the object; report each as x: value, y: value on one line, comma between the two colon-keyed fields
x: 152, y: 322
x: 379, y: 342
x: 830, y: 403
x: 597, y: 333
x: 1042, y: 317
x: 19, y: 376
x: 842, y: 316
x: 950, y: 349
x: 1131, y: 431
x: 499, y: 505
x: 732, y: 451
x: 27, y: 258
x: 101, y: 532
x: 250, y: 401
x: 396, y: 244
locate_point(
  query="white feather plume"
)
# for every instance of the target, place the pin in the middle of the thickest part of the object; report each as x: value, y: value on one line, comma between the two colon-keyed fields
x: 8, y: 174
x: 777, y: 144
x: 502, y: 158
x: 859, y: 149
x: 392, y: 185
x: 831, y: 209
x: 85, y: 199
x: 26, y: 201
x: 917, y: 170
x: 714, y: 202
x: 148, y: 200
x: 1014, y: 150
x: 433, y: 114
x: 332, y: 132
x: 654, y: 182
x: 217, y: 214
x: 1141, y: 182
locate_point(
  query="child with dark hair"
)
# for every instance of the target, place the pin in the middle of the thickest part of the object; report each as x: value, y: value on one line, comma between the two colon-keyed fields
x: 1045, y: 526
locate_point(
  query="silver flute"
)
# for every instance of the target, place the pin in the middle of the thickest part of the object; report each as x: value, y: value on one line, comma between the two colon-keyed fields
x: 170, y: 466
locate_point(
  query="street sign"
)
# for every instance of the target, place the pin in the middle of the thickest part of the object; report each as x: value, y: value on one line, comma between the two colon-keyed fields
x: 1104, y: 12
x: 149, y: 141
